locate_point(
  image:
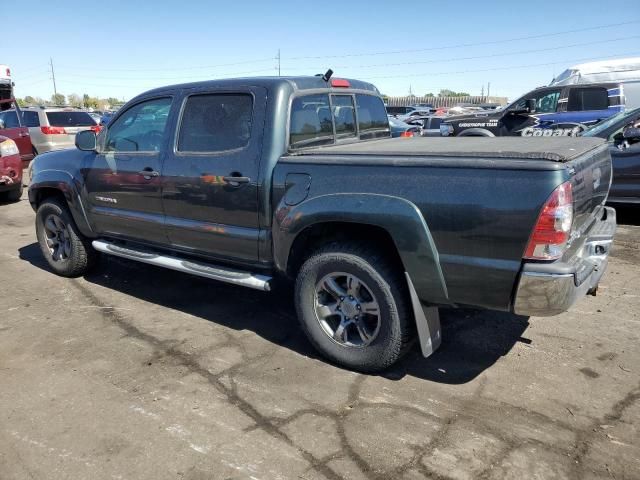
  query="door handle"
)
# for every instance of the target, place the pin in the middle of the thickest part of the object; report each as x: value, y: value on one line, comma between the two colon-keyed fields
x: 235, y: 180
x: 148, y: 172
x: 24, y: 134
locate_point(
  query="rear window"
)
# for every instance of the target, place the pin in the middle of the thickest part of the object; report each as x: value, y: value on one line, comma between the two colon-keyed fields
x: 70, y: 119
x: 311, y: 123
x: 581, y: 99
x: 372, y: 117
x: 30, y: 119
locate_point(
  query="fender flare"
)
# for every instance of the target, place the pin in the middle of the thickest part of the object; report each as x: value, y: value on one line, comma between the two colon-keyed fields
x: 476, y: 132
x: 399, y: 217
x: 64, y: 183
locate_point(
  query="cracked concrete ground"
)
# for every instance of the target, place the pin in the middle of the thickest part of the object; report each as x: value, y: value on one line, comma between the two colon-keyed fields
x: 140, y: 373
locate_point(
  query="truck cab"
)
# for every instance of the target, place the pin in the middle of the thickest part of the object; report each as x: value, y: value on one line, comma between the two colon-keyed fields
x: 544, y: 112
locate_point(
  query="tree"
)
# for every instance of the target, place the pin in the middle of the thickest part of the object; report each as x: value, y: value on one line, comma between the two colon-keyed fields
x: 445, y: 92
x: 89, y: 102
x: 29, y: 100
x: 75, y: 100
x: 113, y: 101
x: 58, y: 99
x: 429, y: 95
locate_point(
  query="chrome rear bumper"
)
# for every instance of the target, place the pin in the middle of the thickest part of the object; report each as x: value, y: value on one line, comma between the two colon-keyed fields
x: 547, y: 289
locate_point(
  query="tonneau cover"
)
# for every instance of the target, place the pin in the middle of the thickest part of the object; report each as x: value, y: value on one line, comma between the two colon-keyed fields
x: 557, y: 149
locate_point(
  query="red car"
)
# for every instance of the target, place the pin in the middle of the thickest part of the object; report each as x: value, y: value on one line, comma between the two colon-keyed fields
x: 12, y: 126
x: 10, y: 171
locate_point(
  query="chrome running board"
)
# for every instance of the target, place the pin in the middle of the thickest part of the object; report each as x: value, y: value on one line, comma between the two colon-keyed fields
x: 201, y: 269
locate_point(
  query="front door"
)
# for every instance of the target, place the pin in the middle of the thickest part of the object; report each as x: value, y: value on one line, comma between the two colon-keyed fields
x: 211, y: 179
x: 533, y: 124
x: 123, y: 180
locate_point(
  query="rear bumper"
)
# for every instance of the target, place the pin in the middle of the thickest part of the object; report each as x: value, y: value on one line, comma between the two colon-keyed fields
x: 547, y: 289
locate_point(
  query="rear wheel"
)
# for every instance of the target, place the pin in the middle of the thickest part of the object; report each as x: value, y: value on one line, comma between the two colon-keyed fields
x: 68, y: 253
x: 351, y: 302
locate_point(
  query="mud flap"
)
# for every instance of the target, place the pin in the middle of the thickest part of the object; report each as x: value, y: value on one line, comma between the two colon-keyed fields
x: 427, y: 322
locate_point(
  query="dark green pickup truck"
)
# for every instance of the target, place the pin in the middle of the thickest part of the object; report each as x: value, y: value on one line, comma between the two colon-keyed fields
x: 250, y: 180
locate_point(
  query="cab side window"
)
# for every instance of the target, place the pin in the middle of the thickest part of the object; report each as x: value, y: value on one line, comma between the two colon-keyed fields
x: 139, y: 129
x: 593, y: 98
x: 216, y: 123
x: 547, y: 101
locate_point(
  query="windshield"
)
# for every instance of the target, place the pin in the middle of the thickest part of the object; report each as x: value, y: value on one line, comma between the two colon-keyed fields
x: 602, y: 126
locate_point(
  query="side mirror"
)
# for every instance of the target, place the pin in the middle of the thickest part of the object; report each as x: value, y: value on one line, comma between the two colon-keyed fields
x: 531, y: 105
x: 631, y: 133
x: 86, y: 141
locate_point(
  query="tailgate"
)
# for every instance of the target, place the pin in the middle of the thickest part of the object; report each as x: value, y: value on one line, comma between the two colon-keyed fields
x: 590, y: 180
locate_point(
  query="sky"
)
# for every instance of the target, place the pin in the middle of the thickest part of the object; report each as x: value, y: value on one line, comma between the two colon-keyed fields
x: 122, y: 48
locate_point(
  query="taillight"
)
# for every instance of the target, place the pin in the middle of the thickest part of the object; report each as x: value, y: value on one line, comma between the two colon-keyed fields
x: 53, y: 130
x: 407, y: 133
x: 96, y: 128
x: 551, y: 232
x: 340, y: 82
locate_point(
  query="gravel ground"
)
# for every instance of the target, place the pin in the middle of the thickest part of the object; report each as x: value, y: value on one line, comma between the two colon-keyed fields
x: 134, y: 372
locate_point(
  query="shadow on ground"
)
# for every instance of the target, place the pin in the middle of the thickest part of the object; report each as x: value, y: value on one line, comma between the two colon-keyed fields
x: 628, y: 215
x: 473, y: 340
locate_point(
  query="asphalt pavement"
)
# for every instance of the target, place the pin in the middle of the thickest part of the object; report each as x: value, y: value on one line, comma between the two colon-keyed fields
x: 134, y: 372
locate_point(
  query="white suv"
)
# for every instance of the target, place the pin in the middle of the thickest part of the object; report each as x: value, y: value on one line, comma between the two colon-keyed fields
x: 55, y: 128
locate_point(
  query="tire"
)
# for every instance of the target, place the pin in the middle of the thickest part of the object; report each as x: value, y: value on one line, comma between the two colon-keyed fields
x: 14, y: 195
x: 386, y: 337
x: 68, y: 253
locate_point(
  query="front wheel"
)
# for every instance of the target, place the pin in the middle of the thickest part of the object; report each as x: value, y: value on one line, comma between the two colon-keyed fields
x: 67, y: 252
x: 351, y: 302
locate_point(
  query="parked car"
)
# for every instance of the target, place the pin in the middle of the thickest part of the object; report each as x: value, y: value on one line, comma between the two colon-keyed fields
x: 12, y: 126
x: 106, y: 118
x: 10, y: 171
x: 547, y: 111
x: 429, y: 125
x: 247, y: 181
x: 6, y: 87
x: 54, y: 128
x: 622, y: 132
x: 401, y: 129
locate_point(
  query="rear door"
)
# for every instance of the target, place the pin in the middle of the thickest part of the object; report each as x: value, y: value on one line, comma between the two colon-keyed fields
x: 11, y: 127
x: 123, y: 180
x: 210, y: 192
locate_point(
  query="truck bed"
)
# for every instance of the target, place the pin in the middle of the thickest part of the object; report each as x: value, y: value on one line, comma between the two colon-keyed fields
x: 556, y: 149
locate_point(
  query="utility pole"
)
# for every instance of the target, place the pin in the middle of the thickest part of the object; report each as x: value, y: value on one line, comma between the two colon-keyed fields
x: 488, y: 89
x: 278, y: 58
x: 53, y: 77
x: 482, y: 92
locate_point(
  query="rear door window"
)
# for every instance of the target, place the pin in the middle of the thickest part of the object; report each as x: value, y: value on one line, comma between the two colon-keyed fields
x: 372, y: 117
x: 70, y: 119
x: 216, y: 123
x: 593, y: 98
x: 344, y: 115
x: 311, y: 122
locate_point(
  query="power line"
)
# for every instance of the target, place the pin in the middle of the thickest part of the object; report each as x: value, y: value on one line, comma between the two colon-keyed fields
x: 198, y: 67
x: 476, y: 57
x: 474, y: 44
x: 511, y: 67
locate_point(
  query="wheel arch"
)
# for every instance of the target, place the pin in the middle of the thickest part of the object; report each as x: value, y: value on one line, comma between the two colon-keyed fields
x: 58, y: 184
x: 391, y: 222
x: 476, y: 132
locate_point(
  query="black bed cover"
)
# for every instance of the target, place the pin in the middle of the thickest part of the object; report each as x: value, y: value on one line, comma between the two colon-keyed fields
x: 557, y: 149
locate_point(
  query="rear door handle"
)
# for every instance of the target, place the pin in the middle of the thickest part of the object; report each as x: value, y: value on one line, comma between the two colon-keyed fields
x: 148, y: 172
x: 235, y: 180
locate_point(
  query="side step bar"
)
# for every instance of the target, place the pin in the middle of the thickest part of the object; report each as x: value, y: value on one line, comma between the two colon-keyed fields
x: 222, y: 274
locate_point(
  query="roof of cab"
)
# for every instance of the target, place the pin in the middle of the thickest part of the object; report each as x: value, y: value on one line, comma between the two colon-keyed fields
x: 271, y: 83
